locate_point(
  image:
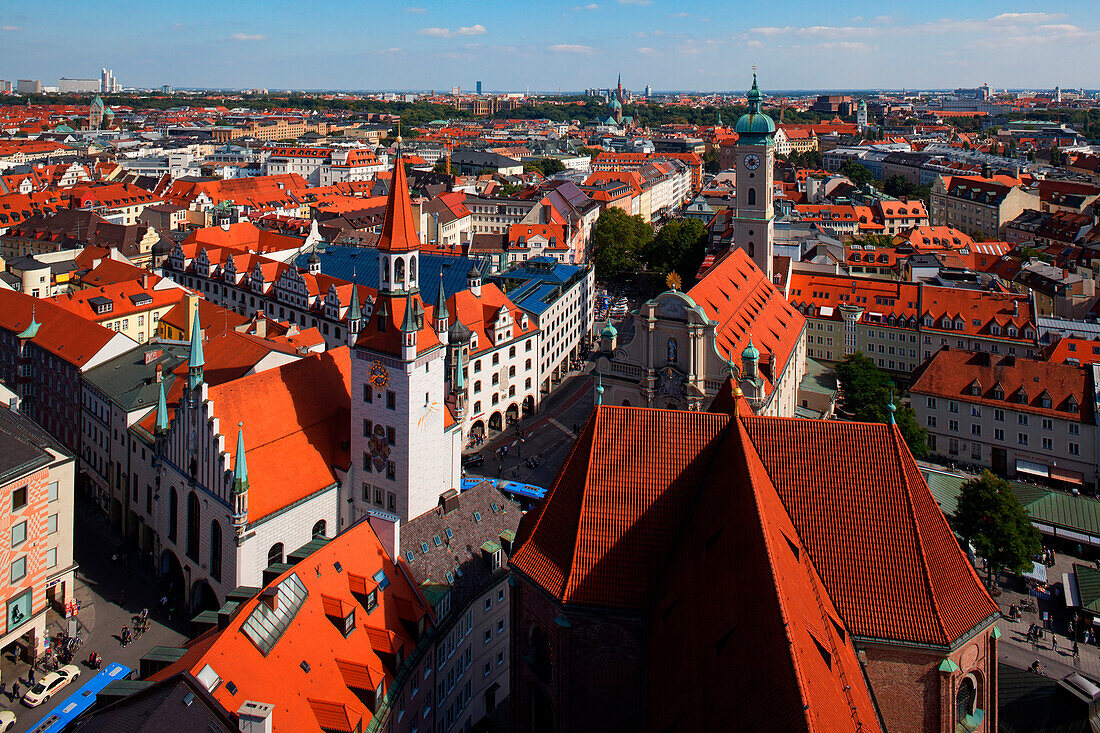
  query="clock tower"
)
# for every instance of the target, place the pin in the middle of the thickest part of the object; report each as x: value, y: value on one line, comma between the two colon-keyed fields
x: 403, y: 452
x: 755, y: 160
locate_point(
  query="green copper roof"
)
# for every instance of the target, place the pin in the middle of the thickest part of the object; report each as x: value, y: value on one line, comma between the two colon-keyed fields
x: 162, y: 412
x: 460, y: 378
x: 948, y: 666
x: 32, y: 328
x: 609, y: 331
x: 355, y: 311
x: 196, y: 360
x: 755, y: 122
x: 408, y: 323
x: 240, y: 470
x: 750, y: 352
x: 441, y: 299
x: 996, y: 633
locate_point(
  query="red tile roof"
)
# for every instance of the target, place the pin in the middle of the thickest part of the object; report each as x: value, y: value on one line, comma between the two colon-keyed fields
x: 1081, y: 351
x: 1018, y: 383
x: 398, y: 230
x: 62, y: 333
x: 735, y: 293
x: 595, y: 538
x: 328, y: 696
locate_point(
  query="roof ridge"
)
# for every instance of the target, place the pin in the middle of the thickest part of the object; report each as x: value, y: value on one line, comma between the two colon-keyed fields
x: 911, y: 513
x: 746, y: 445
x: 569, y: 580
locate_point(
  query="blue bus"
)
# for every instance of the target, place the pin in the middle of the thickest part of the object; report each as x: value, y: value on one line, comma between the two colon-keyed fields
x: 81, y: 700
x: 526, y: 495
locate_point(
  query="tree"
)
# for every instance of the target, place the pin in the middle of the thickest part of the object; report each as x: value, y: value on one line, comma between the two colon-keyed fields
x: 679, y: 247
x: 856, y: 173
x: 619, y: 242
x: 810, y: 159
x: 866, y: 390
x: 712, y: 161
x: 899, y: 186
x: 545, y: 166
x: 1057, y: 157
x: 990, y: 517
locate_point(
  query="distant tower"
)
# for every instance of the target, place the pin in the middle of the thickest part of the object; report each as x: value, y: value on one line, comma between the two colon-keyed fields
x: 479, y: 87
x: 755, y: 161
x: 95, y: 113
x: 1058, y: 94
x: 861, y: 115
x: 617, y: 101
x: 648, y: 91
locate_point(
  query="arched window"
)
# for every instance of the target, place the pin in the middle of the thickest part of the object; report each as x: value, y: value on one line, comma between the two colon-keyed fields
x: 173, y: 514
x: 966, y: 699
x: 399, y: 272
x: 412, y: 269
x: 215, y: 550
x: 275, y: 554
x: 193, y: 526
x: 752, y: 197
x: 319, y: 529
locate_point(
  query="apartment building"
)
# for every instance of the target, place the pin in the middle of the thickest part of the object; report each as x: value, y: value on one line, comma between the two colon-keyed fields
x: 321, y: 166
x: 1016, y: 416
x: 899, y: 325
x: 37, y: 477
x: 460, y: 550
x: 132, y: 307
x: 980, y: 204
x: 121, y: 203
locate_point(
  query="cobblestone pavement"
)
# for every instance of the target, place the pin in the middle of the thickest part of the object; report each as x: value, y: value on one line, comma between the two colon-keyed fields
x: 100, y: 586
x: 1017, y: 651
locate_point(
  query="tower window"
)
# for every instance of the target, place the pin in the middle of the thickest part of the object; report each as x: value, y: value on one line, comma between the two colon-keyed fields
x: 752, y: 197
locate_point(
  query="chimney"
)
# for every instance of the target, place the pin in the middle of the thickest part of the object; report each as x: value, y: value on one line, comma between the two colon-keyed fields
x: 270, y: 598
x: 449, y: 500
x: 255, y: 717
x: 192, y: 309
x: 159, y: 375
x: 145, y: 282
x: 261, y: 324
x: 1015, y: 308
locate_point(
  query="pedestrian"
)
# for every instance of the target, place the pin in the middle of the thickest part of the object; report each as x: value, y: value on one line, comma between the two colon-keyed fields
x: 15, y: 690
x: 1076, y: 650
x: 1054, y: 642
x: 125, y: 636
x: 30, y: 677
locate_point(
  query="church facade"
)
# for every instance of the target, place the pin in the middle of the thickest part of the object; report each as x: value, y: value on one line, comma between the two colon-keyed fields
x: 676, y: 351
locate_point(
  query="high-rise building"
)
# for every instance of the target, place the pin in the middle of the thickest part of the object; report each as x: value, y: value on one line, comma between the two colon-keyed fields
x: 456, y: 90
x: 66, y: 85
x: 479, y: 87
x: 648, y: 91
x: 28, y: 86
x: 107, y: 81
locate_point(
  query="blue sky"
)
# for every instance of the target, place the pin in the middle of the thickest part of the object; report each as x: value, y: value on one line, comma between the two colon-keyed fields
x: 367, y: 44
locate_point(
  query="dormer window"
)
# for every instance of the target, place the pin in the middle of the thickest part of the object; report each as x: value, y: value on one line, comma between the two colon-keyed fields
x: 349, y: 622
x: 1072, y: 404
x: 947, y: 323
x: 976, y: 388
x: 1044, y: 401
x: 995, y: 330
x: 1021, y: 397
x: 1012, y: 332
x: 998, y: 393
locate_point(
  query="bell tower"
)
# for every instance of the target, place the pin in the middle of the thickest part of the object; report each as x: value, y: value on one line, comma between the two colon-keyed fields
x: 753, y: 228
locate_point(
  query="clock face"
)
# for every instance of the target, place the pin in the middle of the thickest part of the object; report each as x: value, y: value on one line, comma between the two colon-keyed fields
x: 379, y: 375
x: 752, y: 162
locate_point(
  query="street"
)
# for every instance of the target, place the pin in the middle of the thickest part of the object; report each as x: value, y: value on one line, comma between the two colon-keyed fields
x: 547, y: 436
x: 100, y: 583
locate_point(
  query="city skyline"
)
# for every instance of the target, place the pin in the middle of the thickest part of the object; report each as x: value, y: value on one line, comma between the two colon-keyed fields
x: 567, y: 46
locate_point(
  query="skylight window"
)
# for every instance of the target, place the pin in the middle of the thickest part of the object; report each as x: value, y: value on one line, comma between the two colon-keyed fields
x: 265, y: 625
x: 381, y: 579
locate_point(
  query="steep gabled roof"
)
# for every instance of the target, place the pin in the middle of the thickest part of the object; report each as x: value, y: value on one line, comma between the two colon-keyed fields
x: 398, y: 231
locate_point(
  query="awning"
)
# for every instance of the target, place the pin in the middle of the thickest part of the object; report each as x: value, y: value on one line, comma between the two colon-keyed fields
x: 1070, y: 477
x: 1036, y: 469
x: 1038, y: 573
x: 1073, y: 595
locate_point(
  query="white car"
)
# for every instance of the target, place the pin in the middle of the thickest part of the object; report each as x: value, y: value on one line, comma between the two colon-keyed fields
x: 7, y: 720
x: 48, y: 686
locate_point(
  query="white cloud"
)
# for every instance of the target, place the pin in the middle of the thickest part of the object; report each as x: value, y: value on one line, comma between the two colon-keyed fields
x: 248, y: 37
x: 10, y: 28
x: 635, y: 2
x: 850, y: 46
x: 1026, y: 17
x: 572, y: 48
x: 466, y: 30
x: 681, y: 14
x: 591, y: 6
x: 647, y: 50
x: 415, y: 10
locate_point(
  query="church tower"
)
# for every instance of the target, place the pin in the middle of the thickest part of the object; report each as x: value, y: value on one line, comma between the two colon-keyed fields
x: 404, y: 457
x: 755, y: 161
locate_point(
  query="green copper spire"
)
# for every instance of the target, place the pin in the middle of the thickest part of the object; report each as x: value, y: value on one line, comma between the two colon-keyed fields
x: 599, y: 390
x: 460, y: 378
x: 408, y: 323
x: 240, y: 470
x: 161, y: 426
x: 891, y: 409
x: 441, y: 300
x: 355, y: 311
x: 196, y: 362
x: 32, y: 328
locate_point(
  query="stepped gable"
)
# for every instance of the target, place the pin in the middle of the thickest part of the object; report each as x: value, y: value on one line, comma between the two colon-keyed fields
x: 773, y: 634
x: 872, y: 528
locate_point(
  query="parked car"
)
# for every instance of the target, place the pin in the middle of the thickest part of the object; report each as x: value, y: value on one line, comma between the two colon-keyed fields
x: 7, y: 720
x: 49, y: 685
x: 473, y: 460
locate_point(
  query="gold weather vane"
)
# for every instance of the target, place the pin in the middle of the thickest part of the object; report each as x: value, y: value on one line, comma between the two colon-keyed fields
x: 673, y: 281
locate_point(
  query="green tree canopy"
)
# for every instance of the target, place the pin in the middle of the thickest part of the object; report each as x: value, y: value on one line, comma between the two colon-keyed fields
x: 866, y: 390
x: 990, y: 517
x: 679, y: 247
x: 712, y: 161
x: 545, y: 166
x: 619, y: 244
x: 856, y: 173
